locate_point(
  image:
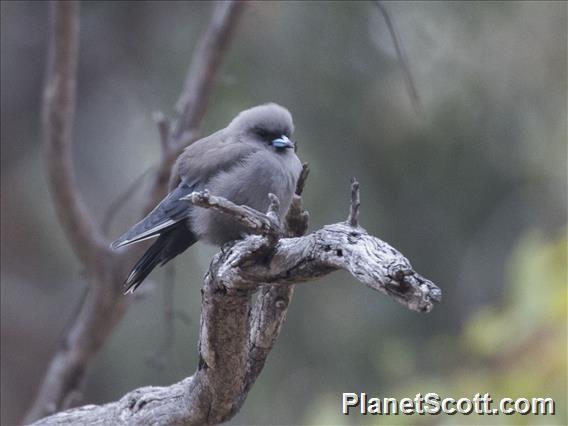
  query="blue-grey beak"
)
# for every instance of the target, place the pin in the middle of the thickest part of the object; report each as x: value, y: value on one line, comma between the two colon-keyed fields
x: 282, y: 142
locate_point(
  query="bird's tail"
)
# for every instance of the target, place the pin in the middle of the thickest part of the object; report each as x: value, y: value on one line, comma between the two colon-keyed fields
x: 144, y: 266
x: 168, y: 245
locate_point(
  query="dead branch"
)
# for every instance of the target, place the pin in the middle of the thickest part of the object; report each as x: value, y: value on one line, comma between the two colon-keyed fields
x: 254, y: 221
x: 353, y: 218
x: 233, y: 342
x: 163, y: 129
x: 104, y: 304
x: 272, y: 301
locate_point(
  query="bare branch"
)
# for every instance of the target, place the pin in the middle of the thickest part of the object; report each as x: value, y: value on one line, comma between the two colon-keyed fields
x: 92, y: 323
x: 163, y: 130
x: 353, y: 218
x: 272, y: 302
x: 193, y: 101
x: 58, y: 114
x: 202, y: 70
x: 266, y: 321
x: 147, y: 405
x: 253, y: 220
x: 99, y: 313
x: 234, y: 342
x: 337, y: 246
x: 122, y: 199
x: 273, y: 212
x: 408, y: 79
x: 303, y: 178
x: 296, y: 218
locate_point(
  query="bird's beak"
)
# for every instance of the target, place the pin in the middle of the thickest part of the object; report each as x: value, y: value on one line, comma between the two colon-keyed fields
x: 282, y: 142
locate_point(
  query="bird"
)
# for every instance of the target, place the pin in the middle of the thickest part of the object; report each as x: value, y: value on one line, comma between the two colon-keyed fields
x: 243, y: 162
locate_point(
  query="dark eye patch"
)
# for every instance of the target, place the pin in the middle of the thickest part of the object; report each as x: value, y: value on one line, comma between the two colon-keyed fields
x: 267, y: 135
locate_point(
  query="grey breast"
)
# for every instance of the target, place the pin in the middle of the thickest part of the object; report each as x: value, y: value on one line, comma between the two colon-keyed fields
x: 248, y: 183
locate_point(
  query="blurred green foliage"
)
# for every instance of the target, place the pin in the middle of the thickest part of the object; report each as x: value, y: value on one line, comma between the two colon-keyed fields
x: 517, y: 350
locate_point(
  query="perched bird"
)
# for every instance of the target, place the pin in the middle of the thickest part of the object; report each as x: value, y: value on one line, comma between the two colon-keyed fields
x: 244, y: 162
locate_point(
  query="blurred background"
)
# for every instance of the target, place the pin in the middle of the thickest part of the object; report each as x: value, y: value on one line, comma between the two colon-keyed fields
x: 472, y: 189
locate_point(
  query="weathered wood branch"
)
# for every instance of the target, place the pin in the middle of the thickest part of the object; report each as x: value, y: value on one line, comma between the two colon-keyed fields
x: 353, y: 218
x: 236, y: 334
x: 272, y: 301
x: 254, y: 221
x: 104, y: 305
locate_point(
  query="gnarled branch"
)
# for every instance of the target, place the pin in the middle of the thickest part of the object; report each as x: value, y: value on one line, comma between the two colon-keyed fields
x: 237, y: 335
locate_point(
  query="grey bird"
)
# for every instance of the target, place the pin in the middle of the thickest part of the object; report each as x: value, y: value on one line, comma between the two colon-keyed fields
x: 244, y: 162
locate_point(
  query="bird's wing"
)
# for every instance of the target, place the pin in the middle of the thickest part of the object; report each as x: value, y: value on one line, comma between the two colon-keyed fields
x: 209, y: 156
x: 166, y: 214
x: 193, y: 169
x: 171, y: 242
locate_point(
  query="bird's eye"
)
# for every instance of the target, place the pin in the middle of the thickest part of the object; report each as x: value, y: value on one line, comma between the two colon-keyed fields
x: 266, y: 135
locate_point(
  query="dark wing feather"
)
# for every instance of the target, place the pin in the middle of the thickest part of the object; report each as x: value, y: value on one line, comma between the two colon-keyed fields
x: 169, y: 212
x: 169, y: 244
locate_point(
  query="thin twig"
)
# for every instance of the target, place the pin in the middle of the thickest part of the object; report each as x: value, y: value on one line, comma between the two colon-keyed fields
x: 122, y: 199
x: 256, y: 222
x: 206, y: 59
x: 303, y: 178
x: 116, y: 205
x: 408, y: 79
x: 353, y: 218
x: 164, y: 131
x: 297, y: 219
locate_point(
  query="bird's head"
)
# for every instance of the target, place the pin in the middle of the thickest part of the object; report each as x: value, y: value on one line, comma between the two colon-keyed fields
x: 269, y: 124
